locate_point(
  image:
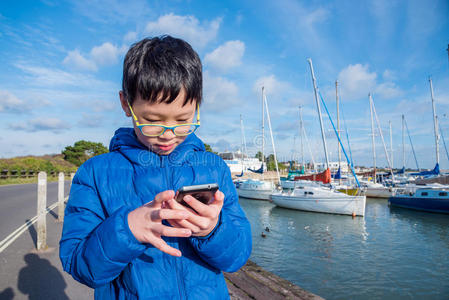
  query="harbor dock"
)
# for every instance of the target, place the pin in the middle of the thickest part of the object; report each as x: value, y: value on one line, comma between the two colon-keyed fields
x: 253, y: 282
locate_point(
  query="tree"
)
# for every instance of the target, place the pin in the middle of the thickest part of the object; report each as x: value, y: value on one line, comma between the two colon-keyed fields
x: 259, y: 155
x: 271, y: 164
x: 209, y: 148
x: 82, y: 151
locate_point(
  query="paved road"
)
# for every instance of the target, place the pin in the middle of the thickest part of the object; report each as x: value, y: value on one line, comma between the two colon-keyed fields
x: 18, y: 203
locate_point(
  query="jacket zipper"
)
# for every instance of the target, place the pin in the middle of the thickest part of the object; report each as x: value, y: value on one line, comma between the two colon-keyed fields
x: 177, y: 261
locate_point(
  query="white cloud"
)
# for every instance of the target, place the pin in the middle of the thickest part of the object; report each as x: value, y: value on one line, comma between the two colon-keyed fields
x: 272, y: 85
x: 76, y: 60
x: 227, y: 56
x: 105, y: 54
x: 10, y: 103
x: 91, y: 120
x: 101, y: 106
x: 185, y: 27
x: 49, y: 78
x: 41, y: 124
x: 356, y: 81
x: 389, y: 75
x: 313, y: 17
x: 219, y: 93
x: 130, y: 37
x: 388, y: 90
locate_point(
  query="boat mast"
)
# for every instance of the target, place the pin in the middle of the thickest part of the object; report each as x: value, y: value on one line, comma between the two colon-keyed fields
x: 372, y: 135
x: 308, y: 146
x: 338, y: 129
x: 383, y: 140
x: 244, y: 150
x: 444, y: 142
x: 272, y: 140
x: 301, y: 128
x: 263, y: 130
x: 319, y: 112
x: 411, y: 145
x: 403, y: 142
x: 435, y: 126
x: 391, y: 145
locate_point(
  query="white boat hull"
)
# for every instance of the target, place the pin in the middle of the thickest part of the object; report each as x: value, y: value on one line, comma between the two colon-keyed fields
x: 254, y: 194
x: 256, y: 189
x: 381, y: 192
x: 336, y: 204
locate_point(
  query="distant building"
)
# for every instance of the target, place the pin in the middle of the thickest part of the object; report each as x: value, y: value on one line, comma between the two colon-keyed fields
x: 238, y: 161
x: 333, y: 166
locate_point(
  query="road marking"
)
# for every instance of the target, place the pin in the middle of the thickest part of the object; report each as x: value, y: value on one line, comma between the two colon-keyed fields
x: 16, y: 233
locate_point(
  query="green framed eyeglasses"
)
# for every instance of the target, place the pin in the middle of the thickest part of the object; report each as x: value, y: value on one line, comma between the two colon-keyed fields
x: 155, y: 130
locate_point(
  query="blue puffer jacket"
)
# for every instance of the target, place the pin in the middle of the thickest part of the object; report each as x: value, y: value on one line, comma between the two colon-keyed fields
x: 99, y: 250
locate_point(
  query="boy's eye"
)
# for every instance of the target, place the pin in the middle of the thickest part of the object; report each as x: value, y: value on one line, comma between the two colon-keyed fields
x: 151, y: 121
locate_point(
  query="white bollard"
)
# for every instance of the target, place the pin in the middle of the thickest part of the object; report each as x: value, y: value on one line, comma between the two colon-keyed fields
x: 71, y: 179
x: 41, y: 211
x: 61, y: 197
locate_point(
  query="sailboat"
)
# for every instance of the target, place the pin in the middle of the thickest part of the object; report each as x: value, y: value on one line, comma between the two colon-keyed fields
x: 294, y: 177
x: 431, y: 197
x: 317, y: 198
x: 436, y: 169
x: 344, y: 186
x: 255, y: 188
x: 374, y: 189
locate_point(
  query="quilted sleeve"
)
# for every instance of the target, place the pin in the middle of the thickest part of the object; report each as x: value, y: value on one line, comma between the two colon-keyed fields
x: 95, y: 247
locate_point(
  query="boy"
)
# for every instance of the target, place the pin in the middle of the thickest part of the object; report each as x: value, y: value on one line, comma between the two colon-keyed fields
x: 114, y: 239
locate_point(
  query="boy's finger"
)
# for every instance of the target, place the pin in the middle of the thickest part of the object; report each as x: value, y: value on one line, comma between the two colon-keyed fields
x: 164, y: 196
x: 168, y: 214
x: 218, y: 201
x: 164, y: 247
x: 218, y: 197
x: 197, y: 205
x: 173, y: 204
x: 188, y: 225
x: 173, y: 232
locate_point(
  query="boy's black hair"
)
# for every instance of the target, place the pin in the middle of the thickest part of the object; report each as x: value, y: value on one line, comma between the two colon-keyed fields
x: 157, y: 68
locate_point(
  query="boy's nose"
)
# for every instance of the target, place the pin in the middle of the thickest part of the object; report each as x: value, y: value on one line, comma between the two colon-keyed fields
x: 168, y: 134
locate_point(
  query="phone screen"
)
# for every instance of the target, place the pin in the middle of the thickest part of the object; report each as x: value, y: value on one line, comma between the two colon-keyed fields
x: 203, y: 192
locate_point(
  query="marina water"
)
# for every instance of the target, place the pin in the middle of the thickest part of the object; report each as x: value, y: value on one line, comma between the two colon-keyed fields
x: 391, y: 253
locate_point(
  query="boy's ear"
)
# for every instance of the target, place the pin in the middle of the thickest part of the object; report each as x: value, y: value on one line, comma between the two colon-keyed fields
x: 124, y: 103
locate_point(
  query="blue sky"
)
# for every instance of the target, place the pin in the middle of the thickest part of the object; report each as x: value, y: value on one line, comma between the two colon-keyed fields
x: 61, y: 64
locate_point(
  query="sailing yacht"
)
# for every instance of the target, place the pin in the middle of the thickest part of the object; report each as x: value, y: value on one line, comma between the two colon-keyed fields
x: 255, y: 188
x: 316, y: 197
x: 373, y: 189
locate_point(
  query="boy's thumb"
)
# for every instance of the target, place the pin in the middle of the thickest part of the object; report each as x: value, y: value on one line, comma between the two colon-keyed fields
x: 164, y: 196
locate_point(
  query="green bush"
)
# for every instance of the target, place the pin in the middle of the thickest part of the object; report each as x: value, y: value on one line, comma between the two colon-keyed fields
x: 82, y: 151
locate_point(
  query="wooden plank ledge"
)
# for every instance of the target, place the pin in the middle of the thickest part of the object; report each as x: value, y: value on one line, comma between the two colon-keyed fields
x: 253, y: 282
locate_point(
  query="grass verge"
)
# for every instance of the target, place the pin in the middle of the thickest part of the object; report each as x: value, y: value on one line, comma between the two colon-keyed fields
x: 27, y: 180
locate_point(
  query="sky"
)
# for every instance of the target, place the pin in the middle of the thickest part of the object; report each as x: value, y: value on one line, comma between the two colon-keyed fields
x: 61, y: 68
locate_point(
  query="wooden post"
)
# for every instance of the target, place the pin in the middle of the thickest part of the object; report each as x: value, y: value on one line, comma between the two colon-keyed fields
x: 41, y: 211
x: 61, y: 197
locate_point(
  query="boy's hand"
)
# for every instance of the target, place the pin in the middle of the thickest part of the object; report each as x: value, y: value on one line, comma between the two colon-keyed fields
x: 205, y: 217
x: 145, y: 223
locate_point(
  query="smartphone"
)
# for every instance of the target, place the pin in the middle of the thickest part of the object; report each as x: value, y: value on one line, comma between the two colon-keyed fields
x: 202, y: 192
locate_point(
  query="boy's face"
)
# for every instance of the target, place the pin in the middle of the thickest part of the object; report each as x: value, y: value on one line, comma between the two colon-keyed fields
x: 160, y: 113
